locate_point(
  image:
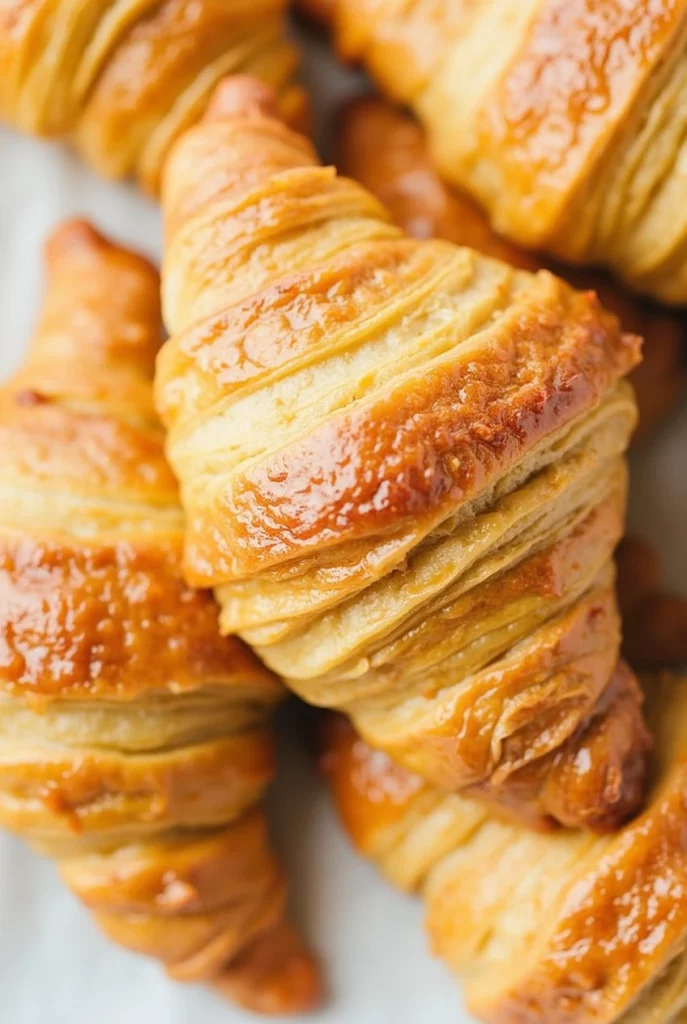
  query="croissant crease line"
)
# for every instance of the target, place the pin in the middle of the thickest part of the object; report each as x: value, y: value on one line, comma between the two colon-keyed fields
x: 135, y: 743
x: 402, y: 467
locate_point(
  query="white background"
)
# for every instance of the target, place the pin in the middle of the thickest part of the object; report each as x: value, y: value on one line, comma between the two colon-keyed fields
x: 54, y: 966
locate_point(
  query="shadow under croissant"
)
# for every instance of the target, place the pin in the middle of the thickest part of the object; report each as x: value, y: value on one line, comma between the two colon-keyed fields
x: 654, y: 620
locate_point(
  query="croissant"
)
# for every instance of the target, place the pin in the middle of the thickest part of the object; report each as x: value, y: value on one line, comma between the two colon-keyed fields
x: 123, y: 80
x: 565, y: 119
x: 135, y: 746
x: 386, y: 151
x: 564, y: 928
x: 402, y: 468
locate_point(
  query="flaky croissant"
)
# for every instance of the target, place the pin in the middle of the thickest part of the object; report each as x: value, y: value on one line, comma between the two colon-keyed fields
x: 123, y: 80
x: 402, y: 468
x: 565, y: 119
x: 134, y: 741
x: 386, y: 151
x: 541, y: 929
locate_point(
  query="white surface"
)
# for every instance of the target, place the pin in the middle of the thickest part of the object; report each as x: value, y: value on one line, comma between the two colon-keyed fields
x: 54, y: 966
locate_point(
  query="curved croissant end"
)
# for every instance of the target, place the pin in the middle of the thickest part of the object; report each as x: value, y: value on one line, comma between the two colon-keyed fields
x: 563, y: 928
x: 402, y: 465
x: 386, y: 151
x: 565, y: 119
x: 135, y: 741
x: 124, y: 81
x: 101, y: 311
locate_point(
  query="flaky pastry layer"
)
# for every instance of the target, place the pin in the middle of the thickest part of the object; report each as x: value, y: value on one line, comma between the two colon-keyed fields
x: 122, y: 80
x: 402, y: 465
x: 564, y: 119
x: 387, y: 151
x: 564, y: 928
x: 135, y: 747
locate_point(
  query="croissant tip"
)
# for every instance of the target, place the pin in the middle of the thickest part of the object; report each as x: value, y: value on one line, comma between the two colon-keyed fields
x: 295, y: 988
x: 277, y: 975
x: 240, y: 95
x: 76, y: 233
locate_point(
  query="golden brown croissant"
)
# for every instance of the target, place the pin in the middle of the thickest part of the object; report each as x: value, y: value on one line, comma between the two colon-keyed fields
x: 386, y: 151
x: 565, y: 119
x: 541, y: 929
x: 134, y: 741
x: 123, y: 80
x: 402, y: 467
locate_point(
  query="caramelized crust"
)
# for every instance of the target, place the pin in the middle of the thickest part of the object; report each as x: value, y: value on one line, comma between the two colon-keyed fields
x: 123, y: 81
x: 386, y: 151
x: 94, y: 620
x: 80, y: 792
x: 563, y: 928
x: 134, y: 744
x: 565, y: 119
x: 425, y: 452
x: 402, y: 469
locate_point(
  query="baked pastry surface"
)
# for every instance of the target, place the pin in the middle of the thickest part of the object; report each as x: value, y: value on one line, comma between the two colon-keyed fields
x: 135, y: 745
x: 122, y: 80
x: 564, y: 928
x: 565, y: 119
x: 386, y: 151
x: 402, y: 465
